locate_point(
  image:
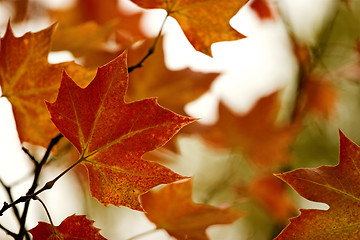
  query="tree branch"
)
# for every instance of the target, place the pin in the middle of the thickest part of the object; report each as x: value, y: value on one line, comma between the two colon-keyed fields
x: 48, y: 214
x: 32, y: 158
x: 35, y: 183
x: 8, y: 232
x: 8, y: 191
x: 151, y: 50
x: 47, y: 186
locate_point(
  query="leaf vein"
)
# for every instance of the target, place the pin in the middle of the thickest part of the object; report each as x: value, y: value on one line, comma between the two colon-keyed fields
x: 331, y: 188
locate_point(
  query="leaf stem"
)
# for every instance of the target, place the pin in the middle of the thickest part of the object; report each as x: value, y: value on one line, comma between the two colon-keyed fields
x: 48, y: 214
x: 143, y: 234
x: 151, y: 49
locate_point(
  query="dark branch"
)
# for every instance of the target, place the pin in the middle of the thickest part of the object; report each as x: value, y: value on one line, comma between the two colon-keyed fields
x: 11, y: 199
x: 52, y: 144
x: 47, y: 186
x: 151, y: 50
x: 35, y: 183
x: 47, y: 213
x: 8, y: 232
x: 33, y: 159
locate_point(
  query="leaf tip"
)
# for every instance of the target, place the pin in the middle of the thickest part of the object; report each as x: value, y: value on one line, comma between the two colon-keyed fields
x: 341, y: 134
x: 279, y: 175
x: 9, y: 30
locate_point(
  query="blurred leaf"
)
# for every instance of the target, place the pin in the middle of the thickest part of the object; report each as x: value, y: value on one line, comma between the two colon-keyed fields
x: 262, y: 9
x: 128, y: 28
x: 83, y: 38
x: 256, y: 133
x: 171, y: 208
x: 272, y: 194
x: 320, y: 96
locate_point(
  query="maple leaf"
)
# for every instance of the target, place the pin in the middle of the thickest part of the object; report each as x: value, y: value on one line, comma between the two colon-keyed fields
x: 112, y: 135
x: 271, y: 193
x: 173, y: 88
x: 203, y: 21
x: 336, y: 186
x: 262, y: 9
x: 73, y: 227
x: 127, y: 30
x: 82, y: 39
x: 172, y: 209
x: 26, y: 79
x: 256, y: 133
x: 319, y: 96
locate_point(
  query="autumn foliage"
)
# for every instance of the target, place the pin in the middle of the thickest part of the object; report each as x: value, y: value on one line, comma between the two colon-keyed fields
x: 115, y: 121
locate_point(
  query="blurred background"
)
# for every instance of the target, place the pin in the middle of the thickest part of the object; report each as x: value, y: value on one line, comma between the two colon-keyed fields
x: 305, y: 52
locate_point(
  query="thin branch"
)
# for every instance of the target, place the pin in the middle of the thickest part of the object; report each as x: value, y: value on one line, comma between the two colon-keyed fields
x: 35, y: 183
x: 32, y: 158
x: 8, y: 191
x: 48, y: 214
x: 317, y: 54
x: 52, y: 144
x: 143, y: 234
x: 296, y: 111
x: 8, y: 232
x: 47, y: 186
x: 151, y: 50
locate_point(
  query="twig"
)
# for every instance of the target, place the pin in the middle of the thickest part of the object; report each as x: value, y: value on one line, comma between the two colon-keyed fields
x: 151, y: 50
x: 47, y: 186
x: 48, y: 214
x: 298, y: 95
x: 8, y: 232
x: 33, y: 159
x: 143, y: 234
x: 306, y: 70
x: 11, y: 199
x: 35, y: 183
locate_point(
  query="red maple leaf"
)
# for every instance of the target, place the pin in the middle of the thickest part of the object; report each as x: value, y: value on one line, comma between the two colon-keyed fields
x: 112, y: 135
x: 336, y: 186
x: 73, y: 227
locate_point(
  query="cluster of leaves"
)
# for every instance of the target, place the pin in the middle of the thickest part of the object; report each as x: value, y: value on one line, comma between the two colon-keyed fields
x: 110, y: 116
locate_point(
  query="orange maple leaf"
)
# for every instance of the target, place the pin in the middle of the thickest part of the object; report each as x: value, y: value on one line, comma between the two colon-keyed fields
x: 172, y: 209
x: 82, y: 39
x: 336, y: 186
x: 271, y: 193
x: 319, y: 96
x: 73, y: 227
x: 128, y: 28
x: 26, y: 79
x: 256, y: 133
x: 173, y: 88
x: 203, y: 21
x: 112, y: 135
